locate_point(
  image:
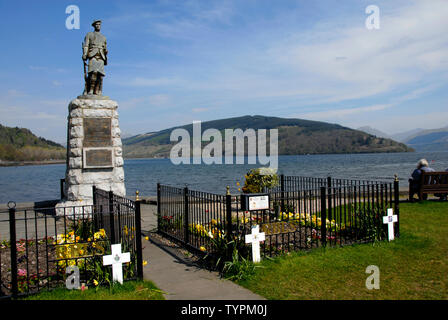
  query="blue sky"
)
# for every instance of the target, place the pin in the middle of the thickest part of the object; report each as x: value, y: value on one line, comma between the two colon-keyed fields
x: 172, y: 62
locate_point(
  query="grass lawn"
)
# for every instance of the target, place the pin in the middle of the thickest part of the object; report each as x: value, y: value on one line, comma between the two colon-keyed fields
x: 130, y: 290
x: 415, y: 266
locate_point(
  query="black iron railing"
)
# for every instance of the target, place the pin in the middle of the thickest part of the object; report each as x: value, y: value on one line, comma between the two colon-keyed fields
x: 38, y: 244
x: 303, y: 213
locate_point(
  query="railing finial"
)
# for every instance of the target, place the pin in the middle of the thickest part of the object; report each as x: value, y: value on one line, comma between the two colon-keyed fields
x: 136, y: 196
x: 12, y: 204
x: 228, y: 191
x: 395, y: 177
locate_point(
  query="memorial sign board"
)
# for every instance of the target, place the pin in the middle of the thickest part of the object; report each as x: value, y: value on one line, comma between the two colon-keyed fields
x: 97, y: 158
x: 97, y: 132
x: 255, y: 201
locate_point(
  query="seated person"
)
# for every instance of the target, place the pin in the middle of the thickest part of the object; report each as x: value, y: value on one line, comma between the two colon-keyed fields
x: 414, y: 181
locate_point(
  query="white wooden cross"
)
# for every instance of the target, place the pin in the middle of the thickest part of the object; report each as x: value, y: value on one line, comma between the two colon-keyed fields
x: 255, y: 239
x: 116, y: 259
x: 390, y: 219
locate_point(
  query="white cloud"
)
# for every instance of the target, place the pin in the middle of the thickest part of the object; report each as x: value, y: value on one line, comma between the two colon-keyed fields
x: 13, y: 93
x: 410, y: 46
x: 151, y: 82
x: 198, y: 110
x: 38, y: 68
x: 46, y: 118
x: 404, y: 122
x: 343, y: 113
x: 156, y: 100
x: 159, y: 100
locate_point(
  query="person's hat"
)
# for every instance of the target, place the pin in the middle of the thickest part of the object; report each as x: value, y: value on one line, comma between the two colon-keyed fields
x: 93, y: 23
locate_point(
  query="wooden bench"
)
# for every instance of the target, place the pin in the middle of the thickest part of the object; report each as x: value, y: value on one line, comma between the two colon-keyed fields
x: 432, y: 183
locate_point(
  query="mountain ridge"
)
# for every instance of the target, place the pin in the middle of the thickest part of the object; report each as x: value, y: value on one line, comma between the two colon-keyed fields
x: 429, y: 140
x: 418, y: 139
x: 296, y: 136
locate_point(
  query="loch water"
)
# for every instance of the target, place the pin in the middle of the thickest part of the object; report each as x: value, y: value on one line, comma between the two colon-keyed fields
x: 41, y: 182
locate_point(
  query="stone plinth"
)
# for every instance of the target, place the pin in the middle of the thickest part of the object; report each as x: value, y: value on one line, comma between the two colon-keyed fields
x: 94, y: 150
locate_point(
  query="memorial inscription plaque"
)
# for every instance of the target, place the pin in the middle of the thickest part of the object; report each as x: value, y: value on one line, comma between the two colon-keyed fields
x: 97, y: 143
x: 97, y: 132
x: 98, y: 158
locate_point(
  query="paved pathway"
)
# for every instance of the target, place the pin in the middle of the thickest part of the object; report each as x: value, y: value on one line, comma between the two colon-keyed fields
x: 176, y: 275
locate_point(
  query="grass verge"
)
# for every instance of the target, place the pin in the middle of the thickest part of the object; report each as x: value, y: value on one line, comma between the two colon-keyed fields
x: 129, y: 290
x: 414, y: 266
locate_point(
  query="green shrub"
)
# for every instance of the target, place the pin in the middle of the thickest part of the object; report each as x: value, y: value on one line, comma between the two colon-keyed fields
x: 259, y: 179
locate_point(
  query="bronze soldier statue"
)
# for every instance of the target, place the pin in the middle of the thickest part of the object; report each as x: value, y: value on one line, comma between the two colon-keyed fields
x: 94, y: 48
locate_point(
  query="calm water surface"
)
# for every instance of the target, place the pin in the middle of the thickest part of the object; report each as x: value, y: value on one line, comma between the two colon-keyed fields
x: 39, y: 183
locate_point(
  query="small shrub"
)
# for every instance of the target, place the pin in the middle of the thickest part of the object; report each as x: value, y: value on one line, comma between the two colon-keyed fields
x: 259, y: 179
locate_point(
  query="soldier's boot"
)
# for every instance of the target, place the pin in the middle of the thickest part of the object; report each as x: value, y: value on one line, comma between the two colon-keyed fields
x: 92, y: 83
x: 101, y: 85
x: 98, y: 85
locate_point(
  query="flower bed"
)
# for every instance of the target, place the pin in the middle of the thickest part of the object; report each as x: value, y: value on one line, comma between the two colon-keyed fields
x: 33, y: 271
x: 43, y: 262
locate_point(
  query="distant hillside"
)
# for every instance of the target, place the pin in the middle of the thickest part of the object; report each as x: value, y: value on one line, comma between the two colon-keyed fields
x: 429, y: 140
x: 19, y: 144
x: 374, y: 132
x: 296, y: 136
x: 404, y: 136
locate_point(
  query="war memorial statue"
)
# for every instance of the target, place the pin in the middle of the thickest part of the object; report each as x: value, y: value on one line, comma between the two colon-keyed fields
x: 94, y: 48
x: 94, y: 147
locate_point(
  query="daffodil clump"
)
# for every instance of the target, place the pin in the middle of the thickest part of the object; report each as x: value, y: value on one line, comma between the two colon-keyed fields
x: 310, y: 220
x: 128, y: 231
x: 212, y: 230
x: 70, y: 251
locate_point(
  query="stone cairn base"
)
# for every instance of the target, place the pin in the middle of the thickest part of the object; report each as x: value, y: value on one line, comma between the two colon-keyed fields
x: 94, y: 153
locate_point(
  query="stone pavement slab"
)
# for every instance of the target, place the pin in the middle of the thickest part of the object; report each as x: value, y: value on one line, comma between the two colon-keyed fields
x: 177, y: 275
x: 183, y: 280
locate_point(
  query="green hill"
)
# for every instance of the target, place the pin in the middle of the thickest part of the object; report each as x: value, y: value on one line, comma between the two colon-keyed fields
x: 429, y: 140
x: 19, y: 144
x: 295, y: 136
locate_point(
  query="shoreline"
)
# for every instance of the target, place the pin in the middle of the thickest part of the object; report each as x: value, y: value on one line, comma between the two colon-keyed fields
x: 4, y: 163
x: 29, y: 163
